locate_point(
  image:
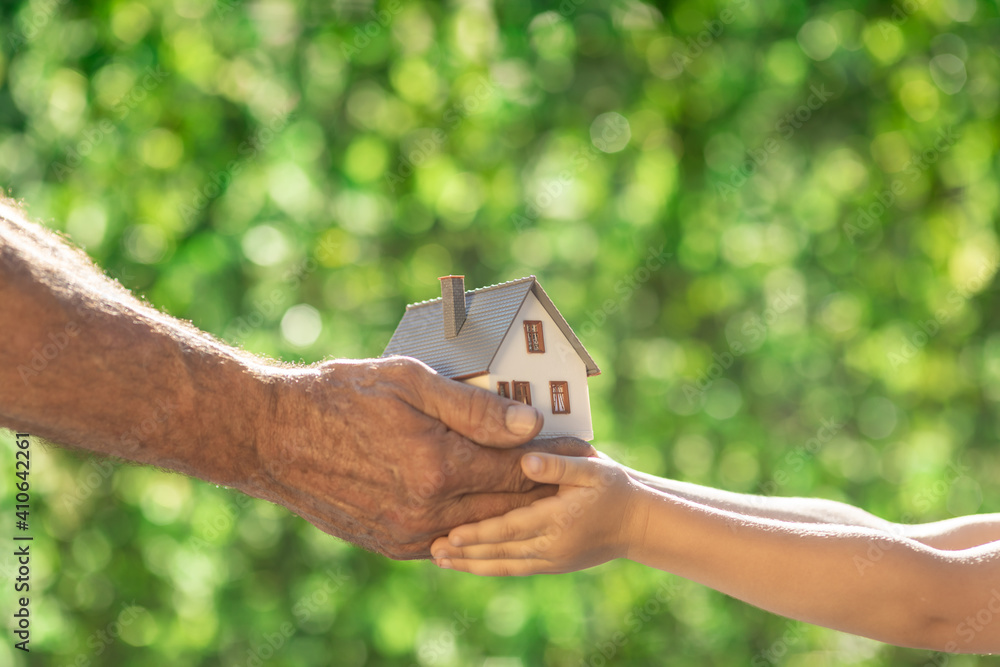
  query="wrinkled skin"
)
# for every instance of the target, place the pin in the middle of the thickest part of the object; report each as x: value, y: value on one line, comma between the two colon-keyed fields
x: 389, y: 455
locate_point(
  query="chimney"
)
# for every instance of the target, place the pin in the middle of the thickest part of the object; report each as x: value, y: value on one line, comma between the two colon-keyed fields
x: 453, y: 304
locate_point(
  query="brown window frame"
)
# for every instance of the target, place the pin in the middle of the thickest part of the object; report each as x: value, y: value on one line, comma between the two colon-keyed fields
x: 527, y: 337
x: 565, y: 394
x: 503, y: 389
x: 526, y: 386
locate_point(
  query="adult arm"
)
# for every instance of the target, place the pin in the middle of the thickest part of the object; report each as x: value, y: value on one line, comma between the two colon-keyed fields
x: 383, y: 453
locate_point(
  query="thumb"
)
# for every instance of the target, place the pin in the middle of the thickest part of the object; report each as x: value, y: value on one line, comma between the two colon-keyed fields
x: 479, y: 415
x: 555, y: 469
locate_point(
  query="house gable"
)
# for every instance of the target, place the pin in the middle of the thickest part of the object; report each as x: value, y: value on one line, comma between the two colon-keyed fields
x: 560, y: 362
x: 567, y: 331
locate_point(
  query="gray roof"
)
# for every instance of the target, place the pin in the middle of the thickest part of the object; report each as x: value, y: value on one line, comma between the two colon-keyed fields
x: 490, y: 314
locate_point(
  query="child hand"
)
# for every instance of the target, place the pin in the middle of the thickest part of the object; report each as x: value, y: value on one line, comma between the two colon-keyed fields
x: 594, y: 518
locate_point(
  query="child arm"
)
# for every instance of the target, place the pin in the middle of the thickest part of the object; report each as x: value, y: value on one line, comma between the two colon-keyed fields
x: 951, y: 534
x: 856, y: 579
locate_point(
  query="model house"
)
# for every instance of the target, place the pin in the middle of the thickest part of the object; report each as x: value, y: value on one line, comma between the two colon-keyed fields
x: 508, y: 338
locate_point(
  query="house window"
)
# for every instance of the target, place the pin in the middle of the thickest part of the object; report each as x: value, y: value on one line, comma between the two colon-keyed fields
x: 503, y: 389
x: 560, y: 398
x: 533, y: 336
x: 522, y: 392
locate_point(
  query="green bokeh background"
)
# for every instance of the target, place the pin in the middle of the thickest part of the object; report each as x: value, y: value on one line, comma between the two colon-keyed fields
x: 288, y: 175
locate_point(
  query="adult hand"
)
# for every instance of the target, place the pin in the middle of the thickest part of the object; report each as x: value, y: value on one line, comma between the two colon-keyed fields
x: 388, y: 454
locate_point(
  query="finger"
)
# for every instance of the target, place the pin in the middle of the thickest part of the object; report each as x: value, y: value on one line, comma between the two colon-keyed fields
x: 476, y: 507
x: 488, y: 469
x: 564, y: 446
x: 497, y: 568
x: 569, y: 470
x: 441, y: 547
x: 480, y: 415
x: 534, y: 547
x: 519, y: 524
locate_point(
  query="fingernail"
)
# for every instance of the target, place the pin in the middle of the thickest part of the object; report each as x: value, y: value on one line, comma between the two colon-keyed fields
x: 521, y: 419
x: 533, y: 463
x: 441, y: 553
x: 455, y: 540
x: 444, y: 564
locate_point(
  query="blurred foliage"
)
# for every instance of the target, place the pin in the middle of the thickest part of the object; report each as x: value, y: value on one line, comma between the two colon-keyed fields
x: 288, y: 175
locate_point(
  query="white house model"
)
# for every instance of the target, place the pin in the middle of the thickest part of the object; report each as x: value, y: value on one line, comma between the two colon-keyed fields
x: 508, y: 338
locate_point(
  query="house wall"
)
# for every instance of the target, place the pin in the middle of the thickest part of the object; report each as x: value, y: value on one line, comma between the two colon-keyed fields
x: 481, y: 381
x: 559, y: 362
